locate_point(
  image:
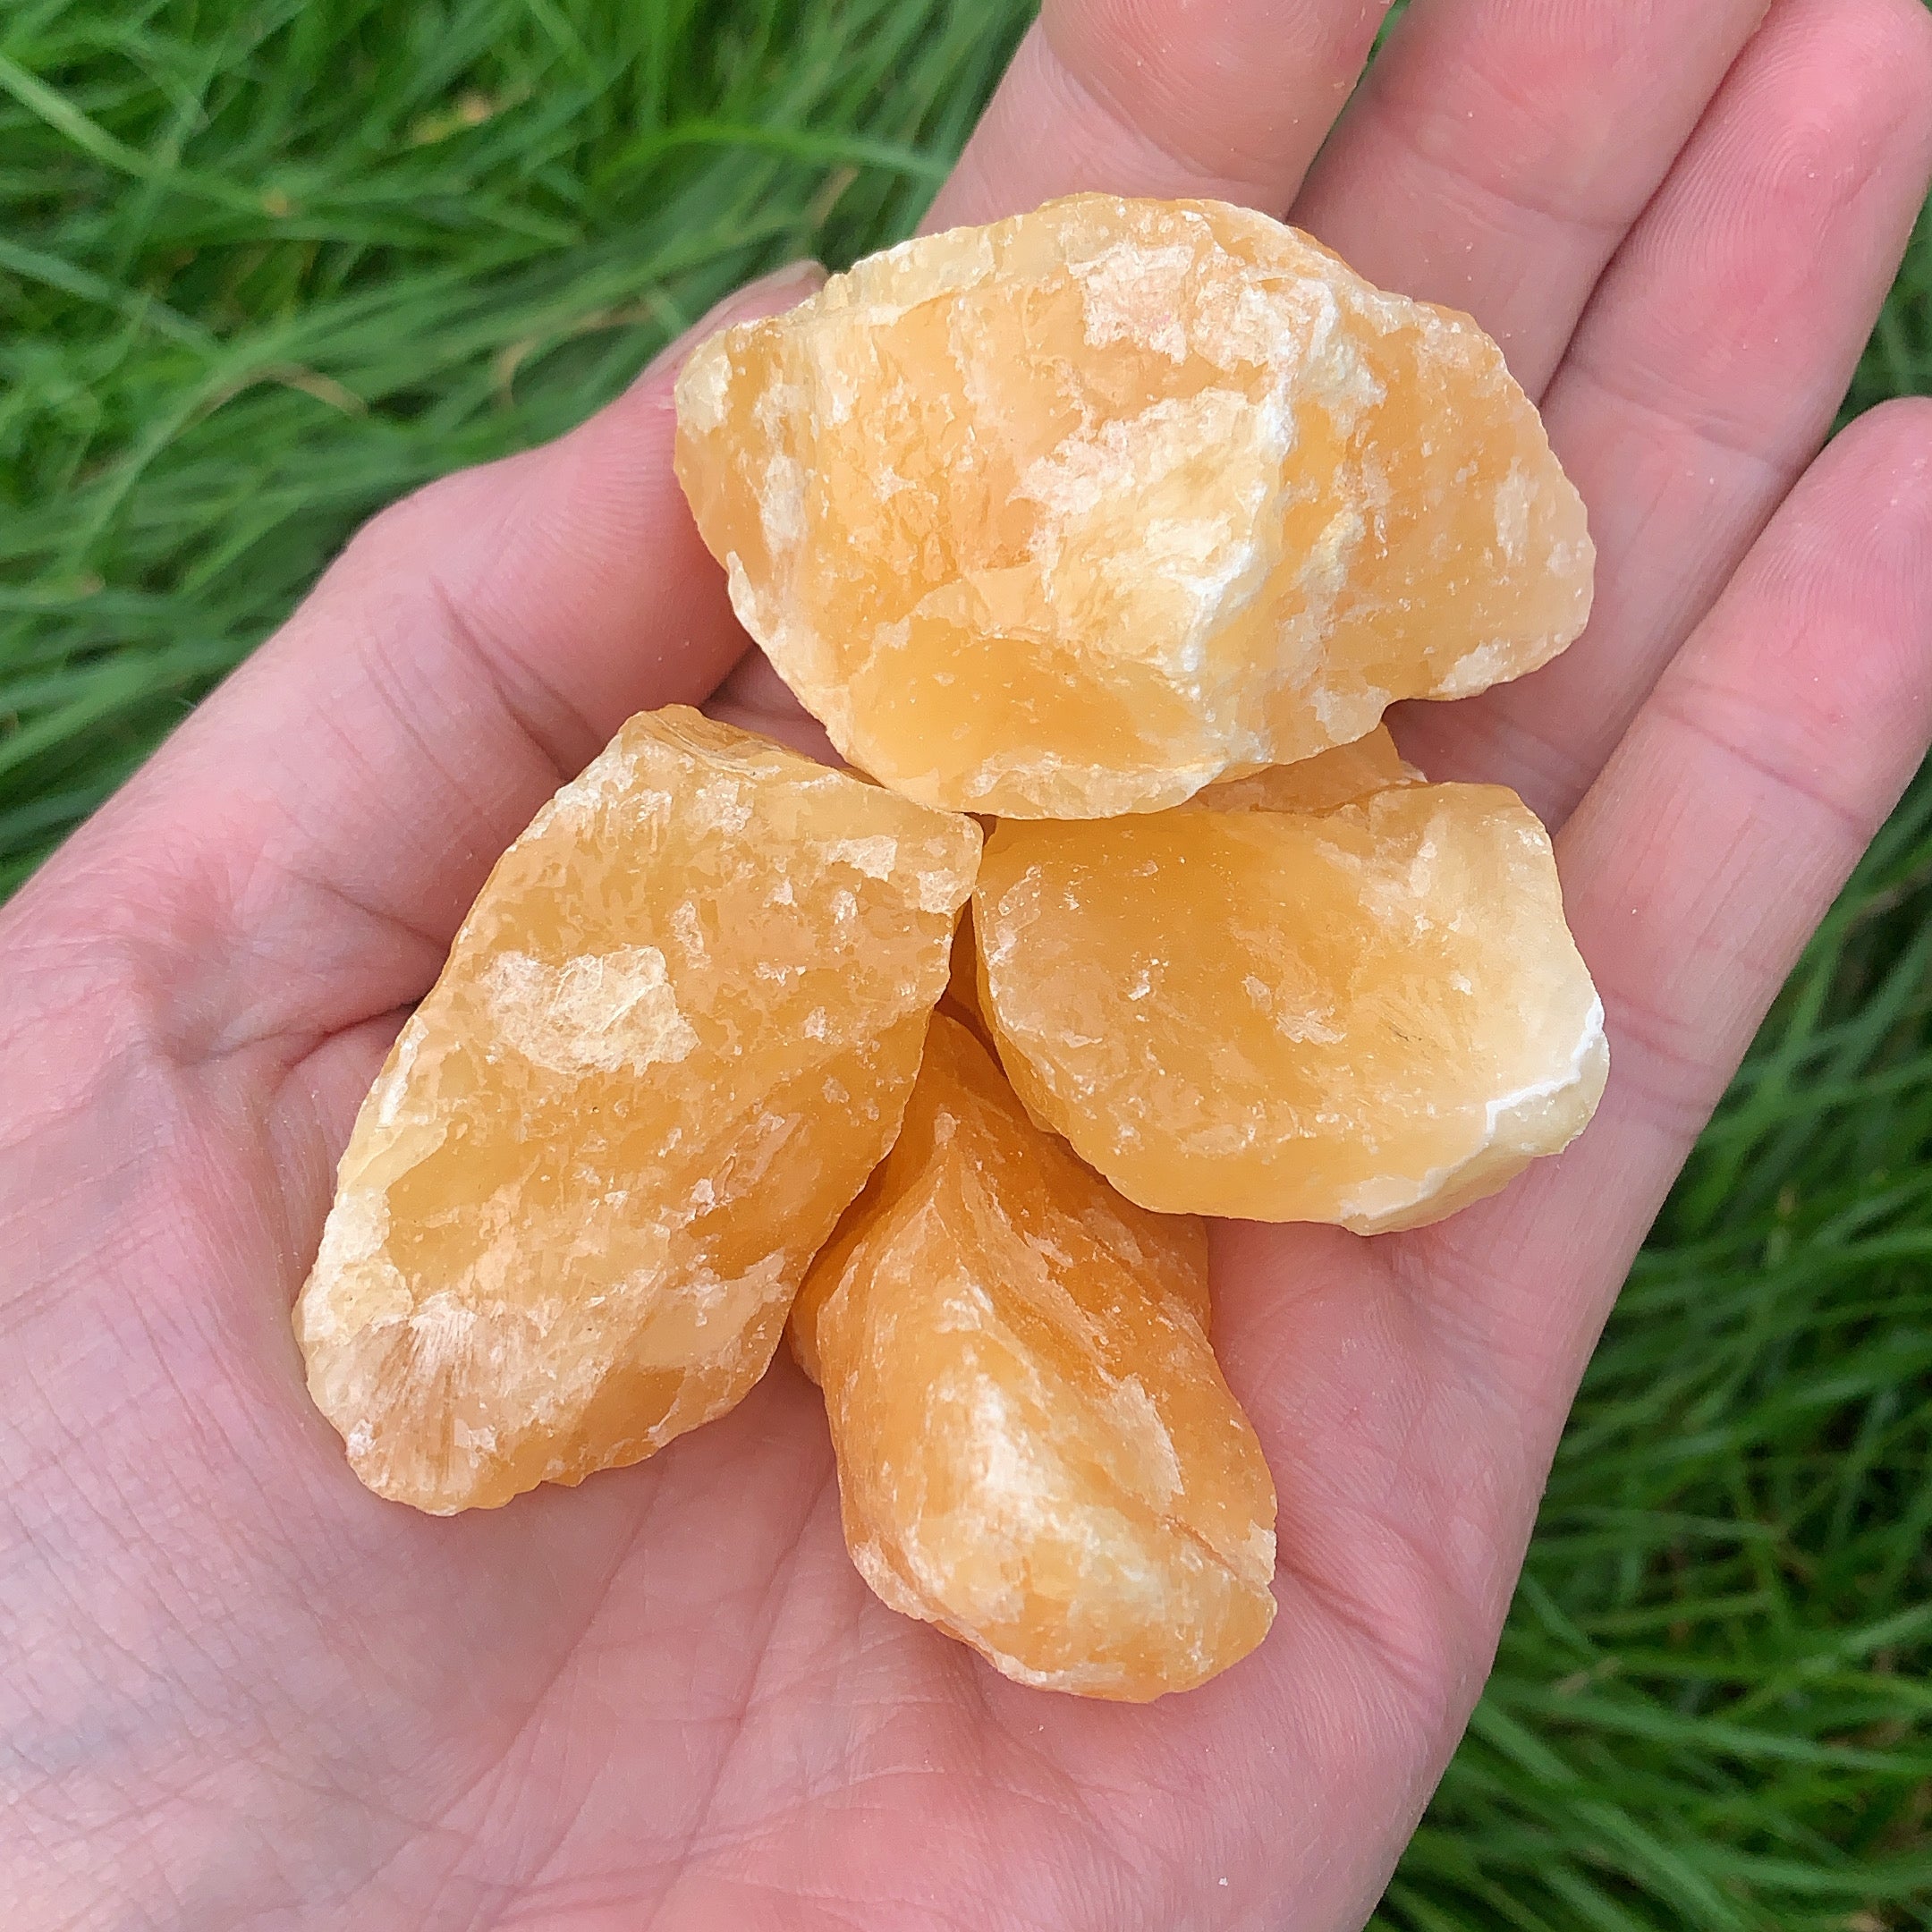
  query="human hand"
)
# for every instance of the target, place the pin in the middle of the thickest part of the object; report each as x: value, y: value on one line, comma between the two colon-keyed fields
x: 243, y: 1690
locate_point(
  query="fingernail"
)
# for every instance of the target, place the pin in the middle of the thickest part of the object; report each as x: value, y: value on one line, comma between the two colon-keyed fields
x: 770, y: 294
x: 794, y: 283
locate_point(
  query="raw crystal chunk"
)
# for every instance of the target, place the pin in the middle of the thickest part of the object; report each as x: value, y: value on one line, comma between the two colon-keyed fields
x: 675, y: 1034
x: 1035, y: 1449
x: 1371, y: 1015
x: 1070, y: 515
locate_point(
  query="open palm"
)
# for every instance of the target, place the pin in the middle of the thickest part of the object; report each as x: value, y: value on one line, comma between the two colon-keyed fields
x: 243, y: 1691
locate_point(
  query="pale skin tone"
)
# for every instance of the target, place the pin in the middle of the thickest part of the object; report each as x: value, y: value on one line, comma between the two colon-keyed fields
x: 242, y: 1691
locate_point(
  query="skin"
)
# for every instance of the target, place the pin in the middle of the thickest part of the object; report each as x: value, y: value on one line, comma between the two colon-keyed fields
x: 242, y: 1691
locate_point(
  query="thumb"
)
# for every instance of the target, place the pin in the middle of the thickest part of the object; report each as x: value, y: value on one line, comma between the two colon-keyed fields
x: 310, y: 839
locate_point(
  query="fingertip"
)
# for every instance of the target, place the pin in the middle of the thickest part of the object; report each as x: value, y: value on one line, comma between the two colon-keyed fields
x: 1865, y: 508
x: 770, y: 294
x: 1839, y: 98
x: 1901, y: 36
x: 1180, y: 78
x: 631, y: 433
x: 1892, y: 440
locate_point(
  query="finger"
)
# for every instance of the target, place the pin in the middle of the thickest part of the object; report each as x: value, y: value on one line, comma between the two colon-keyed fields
x: 1697, y: 867
x: 1499, y: 149
x: 1709, y: 366
x: 1228, y: 98
x: 1411, y: 1388
x: 329, y: 813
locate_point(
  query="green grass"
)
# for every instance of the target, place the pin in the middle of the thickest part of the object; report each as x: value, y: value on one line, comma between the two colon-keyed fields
x: 1710, y: 1708
x: 265, y: 264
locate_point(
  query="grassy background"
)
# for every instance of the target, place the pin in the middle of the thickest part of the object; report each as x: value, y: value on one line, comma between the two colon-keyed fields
x: 265, y: 264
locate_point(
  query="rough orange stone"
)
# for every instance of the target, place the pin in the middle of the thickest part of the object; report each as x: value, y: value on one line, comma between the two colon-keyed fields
x: 1371, y: 1015
x: 1074, y: 514
x: 675, y: 1035
x: 1036, y: 1448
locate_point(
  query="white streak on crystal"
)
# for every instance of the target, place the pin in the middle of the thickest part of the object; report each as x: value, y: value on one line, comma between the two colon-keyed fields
x: 602, y: 1010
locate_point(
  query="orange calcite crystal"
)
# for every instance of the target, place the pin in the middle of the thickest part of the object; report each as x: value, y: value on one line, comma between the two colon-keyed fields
x: 675, y: 1034
x: 1070, y: 515
x: 1035, y: 1449
x: 1371, y: 1014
